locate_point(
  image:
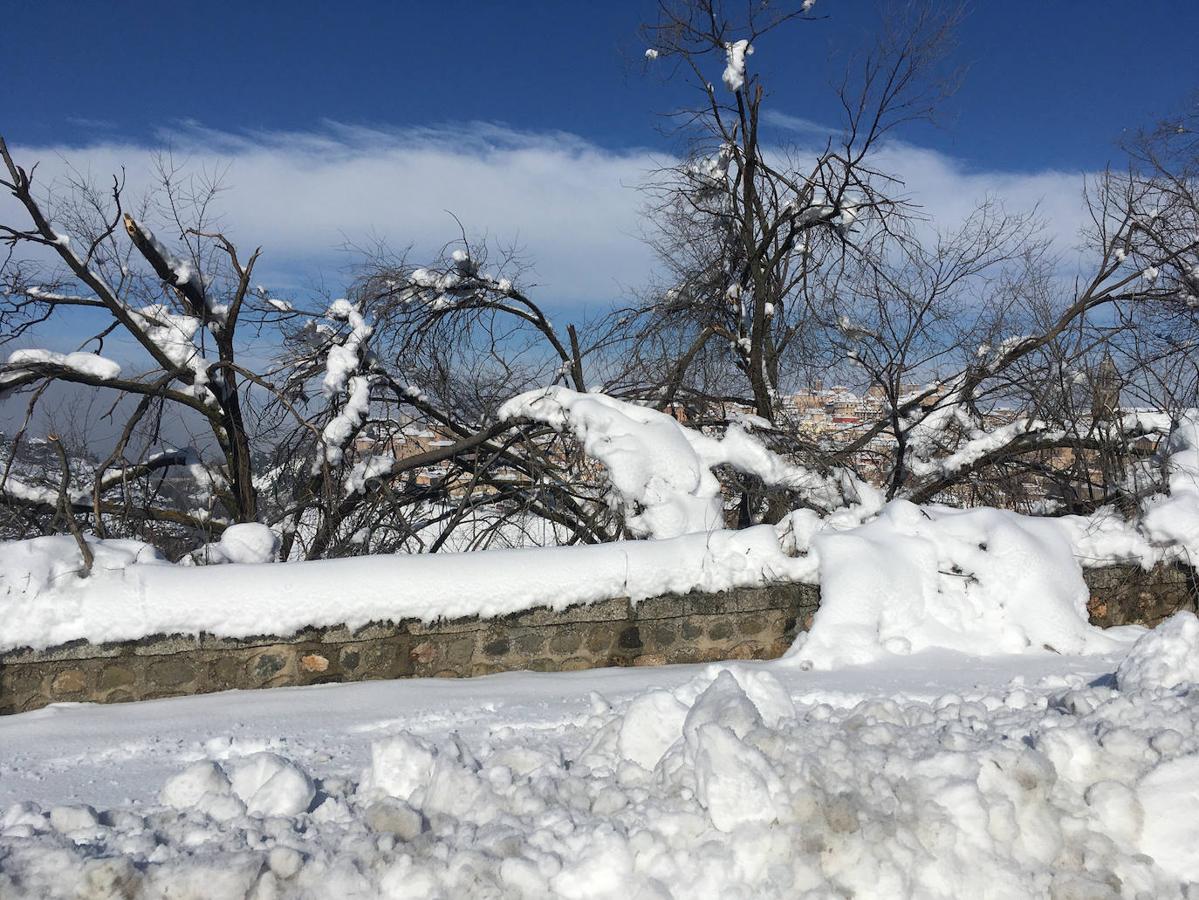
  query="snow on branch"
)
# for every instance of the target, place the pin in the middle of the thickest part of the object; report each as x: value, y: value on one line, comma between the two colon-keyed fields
x: 88, y: 364
x: 734, y: 71
x: 660, y: 471
x: 342, y: 361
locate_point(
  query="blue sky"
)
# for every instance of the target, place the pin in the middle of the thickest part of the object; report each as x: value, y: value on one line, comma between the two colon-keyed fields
x: 340, y: 123
x: 1050, y: 84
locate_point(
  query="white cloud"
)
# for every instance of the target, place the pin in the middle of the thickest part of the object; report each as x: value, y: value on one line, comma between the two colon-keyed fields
x: 571, y: 205
x: 948, y: 191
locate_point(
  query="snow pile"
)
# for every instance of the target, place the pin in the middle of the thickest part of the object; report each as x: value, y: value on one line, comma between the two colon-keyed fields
x: 1174, y: 519
x: 89, y: 364
x: 248, y: 542
x: 979, y: 581
x: 47, y: 568
x: 730, y: 784
x: 660, y: 471
x: 42, y: 605
x: 1165, y: 658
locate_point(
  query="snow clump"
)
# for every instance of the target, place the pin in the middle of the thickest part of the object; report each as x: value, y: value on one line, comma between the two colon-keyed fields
x: 734, y: 71
x: 1165, y: 658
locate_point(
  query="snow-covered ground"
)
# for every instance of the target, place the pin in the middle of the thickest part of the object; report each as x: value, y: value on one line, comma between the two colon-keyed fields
x: 933, y: 774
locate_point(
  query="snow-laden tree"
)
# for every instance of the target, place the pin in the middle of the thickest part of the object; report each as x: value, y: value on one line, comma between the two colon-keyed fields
x: 998, y: 368
x: 986, y: 356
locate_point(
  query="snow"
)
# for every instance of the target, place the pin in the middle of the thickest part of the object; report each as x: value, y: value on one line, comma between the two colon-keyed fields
x: 133, y: 593
x: 270, y: 785
x: 89, y: 364
x: 1165, y: 658
x: 1174, y: 519
x: 339, y: 429
x: 1168, y: 797
x: 246, y: 542
x: 344, y: 359
x: 182, y: 269
x: 934, y: 775
x: 651, y: 54
x: 734, y: 70
x: 39, y: 567
x: 660, y: 471
x: 366, y: 470
x: 174, y: 335
x: 979, y: 581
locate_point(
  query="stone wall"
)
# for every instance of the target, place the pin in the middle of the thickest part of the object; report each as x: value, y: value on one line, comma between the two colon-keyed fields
x: 751, y: 623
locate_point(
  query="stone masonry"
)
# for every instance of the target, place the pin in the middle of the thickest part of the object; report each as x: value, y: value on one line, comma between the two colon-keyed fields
x: 749, y: 623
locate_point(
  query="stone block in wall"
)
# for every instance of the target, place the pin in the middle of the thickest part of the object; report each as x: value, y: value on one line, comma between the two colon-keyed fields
x: 1128, y: 595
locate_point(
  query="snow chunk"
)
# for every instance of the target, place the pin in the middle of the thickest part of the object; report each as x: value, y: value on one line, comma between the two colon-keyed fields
x: 399, y: 767
x: 270, y: 785
x: 1164, y: 658
x: 651, y: 725
x: 734, y: 71
x: 651, y: 54
x: 734, y: 782
x: 205, y: 788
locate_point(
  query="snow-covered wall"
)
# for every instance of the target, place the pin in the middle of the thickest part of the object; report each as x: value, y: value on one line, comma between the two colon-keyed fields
x: 742, y: 623
x: 745, y: 623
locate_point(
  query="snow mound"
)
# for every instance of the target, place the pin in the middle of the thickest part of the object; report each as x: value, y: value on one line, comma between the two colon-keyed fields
x: 246, y: 542
x: 43, y: 565
x: 1164, y: 658
x: 977, y: 581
